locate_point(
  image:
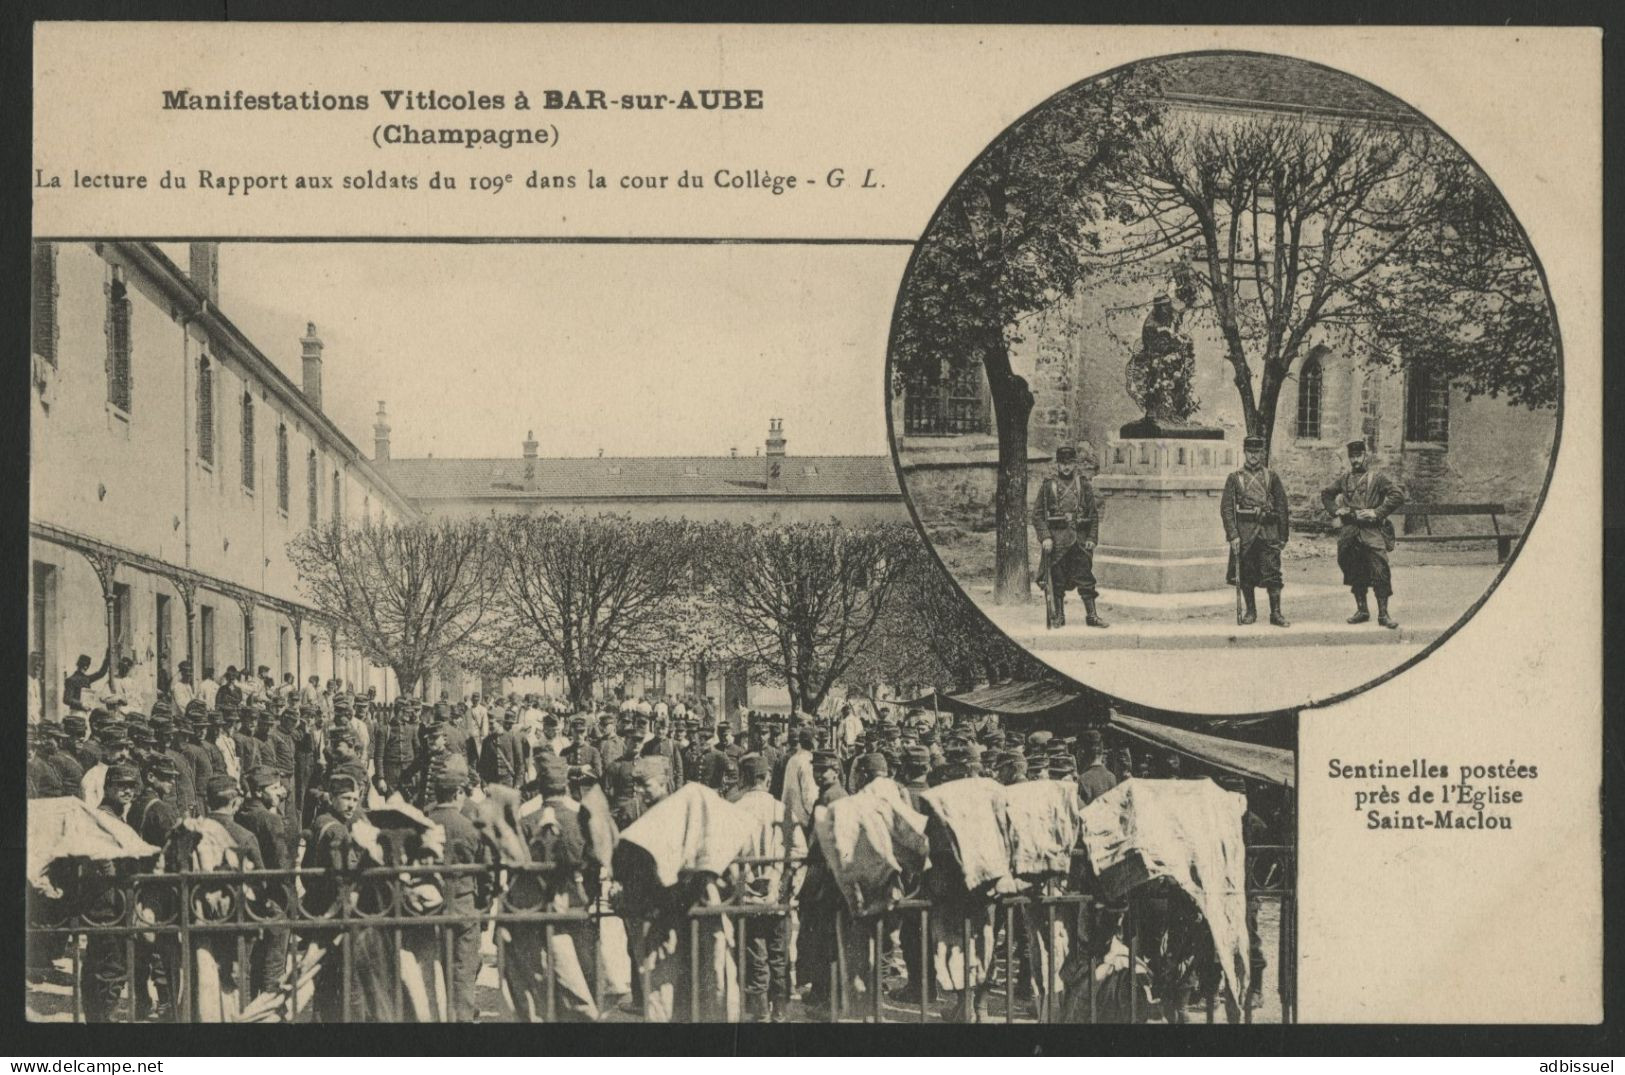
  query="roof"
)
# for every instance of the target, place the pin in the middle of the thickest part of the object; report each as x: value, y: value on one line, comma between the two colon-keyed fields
x: 651, y: 477
x: 1254, y: 80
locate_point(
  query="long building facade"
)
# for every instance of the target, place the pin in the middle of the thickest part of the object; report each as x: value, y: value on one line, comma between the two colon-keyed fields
x: 172, y: 462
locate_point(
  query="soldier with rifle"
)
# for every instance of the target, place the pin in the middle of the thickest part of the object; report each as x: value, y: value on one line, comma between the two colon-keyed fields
x: 1254, y: 511
x: 1067, y: 519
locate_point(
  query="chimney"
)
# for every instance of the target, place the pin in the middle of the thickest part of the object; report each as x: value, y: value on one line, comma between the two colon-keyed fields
x: 205, y: 270
x: 380, y: 436
x: 775, y: 453
x: 530, y: 455
x: 312, y: 345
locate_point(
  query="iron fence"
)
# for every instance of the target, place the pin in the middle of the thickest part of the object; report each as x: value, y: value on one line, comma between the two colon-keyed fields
x: 178, y: 916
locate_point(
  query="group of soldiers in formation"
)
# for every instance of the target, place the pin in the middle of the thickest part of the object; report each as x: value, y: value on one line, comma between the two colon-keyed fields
x: 1254, y: 511
x: 287, y: 779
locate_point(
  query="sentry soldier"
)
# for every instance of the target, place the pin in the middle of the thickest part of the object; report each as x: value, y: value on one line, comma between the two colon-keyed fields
x: 1067, y: 520
x: 1254, y: 511
x: 1362, y: 499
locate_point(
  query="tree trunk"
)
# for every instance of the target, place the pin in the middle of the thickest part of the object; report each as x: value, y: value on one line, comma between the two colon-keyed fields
x: 407, y: 680
x: 581, y: 684
x: 1269, y: 394
x: 1012, y: 406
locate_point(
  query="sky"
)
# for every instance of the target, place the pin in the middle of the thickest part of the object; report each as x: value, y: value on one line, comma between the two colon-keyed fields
x: 632, y: 350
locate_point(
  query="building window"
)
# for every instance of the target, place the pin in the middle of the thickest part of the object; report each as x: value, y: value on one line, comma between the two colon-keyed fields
x: 205, y: 410
x: 312, y: 488
x: 1370, y: 411
x: 1427, y: 407
x: 338, y: 507
x: 248, y: 642
x: 248, y: 441
x: 205, y: 638
x: 1309, y: 388
x: 45, y: 294
x: 118, y: 344
x: 284, y: 652
x: 123, y: 628
x: 282, y: 468
x: 949, y: 403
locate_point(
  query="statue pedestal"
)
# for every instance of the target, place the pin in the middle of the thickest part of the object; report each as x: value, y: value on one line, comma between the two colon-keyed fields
x: 1159, y: 529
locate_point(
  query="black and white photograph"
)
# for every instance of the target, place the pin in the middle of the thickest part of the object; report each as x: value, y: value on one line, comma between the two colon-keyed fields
x: 1226, y: 363
x: 437, y: 633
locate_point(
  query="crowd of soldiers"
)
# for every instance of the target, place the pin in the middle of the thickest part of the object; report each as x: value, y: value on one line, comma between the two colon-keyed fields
x: 288, y: 773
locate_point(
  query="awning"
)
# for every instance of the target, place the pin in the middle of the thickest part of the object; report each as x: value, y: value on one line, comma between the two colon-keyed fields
x: 1272, y: 764
x: 1022, y: 698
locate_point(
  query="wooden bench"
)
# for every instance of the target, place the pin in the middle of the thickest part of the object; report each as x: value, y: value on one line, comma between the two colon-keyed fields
x: 1503, y: 538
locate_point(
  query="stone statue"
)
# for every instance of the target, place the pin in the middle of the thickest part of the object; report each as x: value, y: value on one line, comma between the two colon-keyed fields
x: 1160, y: 372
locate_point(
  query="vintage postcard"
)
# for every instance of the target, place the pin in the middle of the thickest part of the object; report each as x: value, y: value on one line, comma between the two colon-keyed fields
x: 901, y: 525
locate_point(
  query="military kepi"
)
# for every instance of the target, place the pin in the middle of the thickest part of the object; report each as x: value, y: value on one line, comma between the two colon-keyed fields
x: 1066, y: 454
x: 1253, y: 444
x: 1356, y: 447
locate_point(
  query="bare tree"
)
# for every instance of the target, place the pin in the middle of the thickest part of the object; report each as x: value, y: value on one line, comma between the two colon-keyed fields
x: 1291, y: 234
x: 804, y: 599
x: 407, y: 596
x: 589, y: 595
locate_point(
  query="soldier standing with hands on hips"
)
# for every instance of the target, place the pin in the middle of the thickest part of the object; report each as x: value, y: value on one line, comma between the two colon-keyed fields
x: 1361, y: 499
x: 1068, y: 524
x: 1254, y: 510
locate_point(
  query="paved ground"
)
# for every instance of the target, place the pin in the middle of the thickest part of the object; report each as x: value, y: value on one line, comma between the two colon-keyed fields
x: 52, y: 1000
x: 1186, y: 652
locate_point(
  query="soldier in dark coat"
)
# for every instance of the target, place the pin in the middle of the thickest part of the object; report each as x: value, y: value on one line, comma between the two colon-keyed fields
x: 1361, y: 500
x: 331, y: 849
x: 1066, y: 517
x: 1254, y: 511
x: 581, y: 754
x: 465, y: 892
x: 154, y: 817
x: 185, y: 798
x: 397, y: 748
x: 622, y: 787
x: 505, y: 754
x: 44, y: 781
x: 261, y: 813
x: 105, y: 957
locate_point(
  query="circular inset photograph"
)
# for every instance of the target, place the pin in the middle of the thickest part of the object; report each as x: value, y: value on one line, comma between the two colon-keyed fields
x: 1225, y: 382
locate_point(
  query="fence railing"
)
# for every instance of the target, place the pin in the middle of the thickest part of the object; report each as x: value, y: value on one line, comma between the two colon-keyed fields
x: 164, y: 928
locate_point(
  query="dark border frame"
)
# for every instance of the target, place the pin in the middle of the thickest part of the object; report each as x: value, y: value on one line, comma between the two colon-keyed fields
x: 49, y: 1041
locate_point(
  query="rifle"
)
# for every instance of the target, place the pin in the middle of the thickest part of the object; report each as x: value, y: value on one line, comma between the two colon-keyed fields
x: 1052, y: 611
x: 1241, y: 602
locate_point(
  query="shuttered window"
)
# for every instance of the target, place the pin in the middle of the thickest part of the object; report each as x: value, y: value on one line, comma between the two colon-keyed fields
x: 205, y: 410
x: 248, y: 441
x: 118, y: 344
x: 45, y: 292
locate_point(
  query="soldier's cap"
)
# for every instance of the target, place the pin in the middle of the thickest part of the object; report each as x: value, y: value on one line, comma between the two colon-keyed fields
x: 161, y: 705
x: 824, y: 759
x: 341, y: 782
x: 162, y: 767
x: 1036, y: 765
x: 1066, y: 453
x: 752, y: 767
x: 1040, y: 740
x: 138, y: 731
x: 1252, y: 444
x: 220, y: 786
x: 266, y: 716
x: 992, y: 737
x: 957, y: 752
x: 74, y: 724
x: 39, y: 733
x: 341, y: 733
x: 507, y: 716
x: 442, y: 709
x: 1356, y: 447
x: 917, y: 757
x: 112, y: 738
x: 928, y: 735
x: 553, y: 775
x: 122, y: 776
x: 227, y: 708
x: 288, y: 715
x: 100, y: 717
x: 261, y: 777
x: 1061, y: 764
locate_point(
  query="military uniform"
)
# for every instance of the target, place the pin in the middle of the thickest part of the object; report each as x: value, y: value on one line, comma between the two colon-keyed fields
x: 1067, y: 514
x: 398, y: 749
x: 1363, y: 546
x: 157, y: 960
x: 329, y: 849
x: 270, y: 832
x: 1254, y: 512
x: 505, y: 757
x: 463, y: 847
